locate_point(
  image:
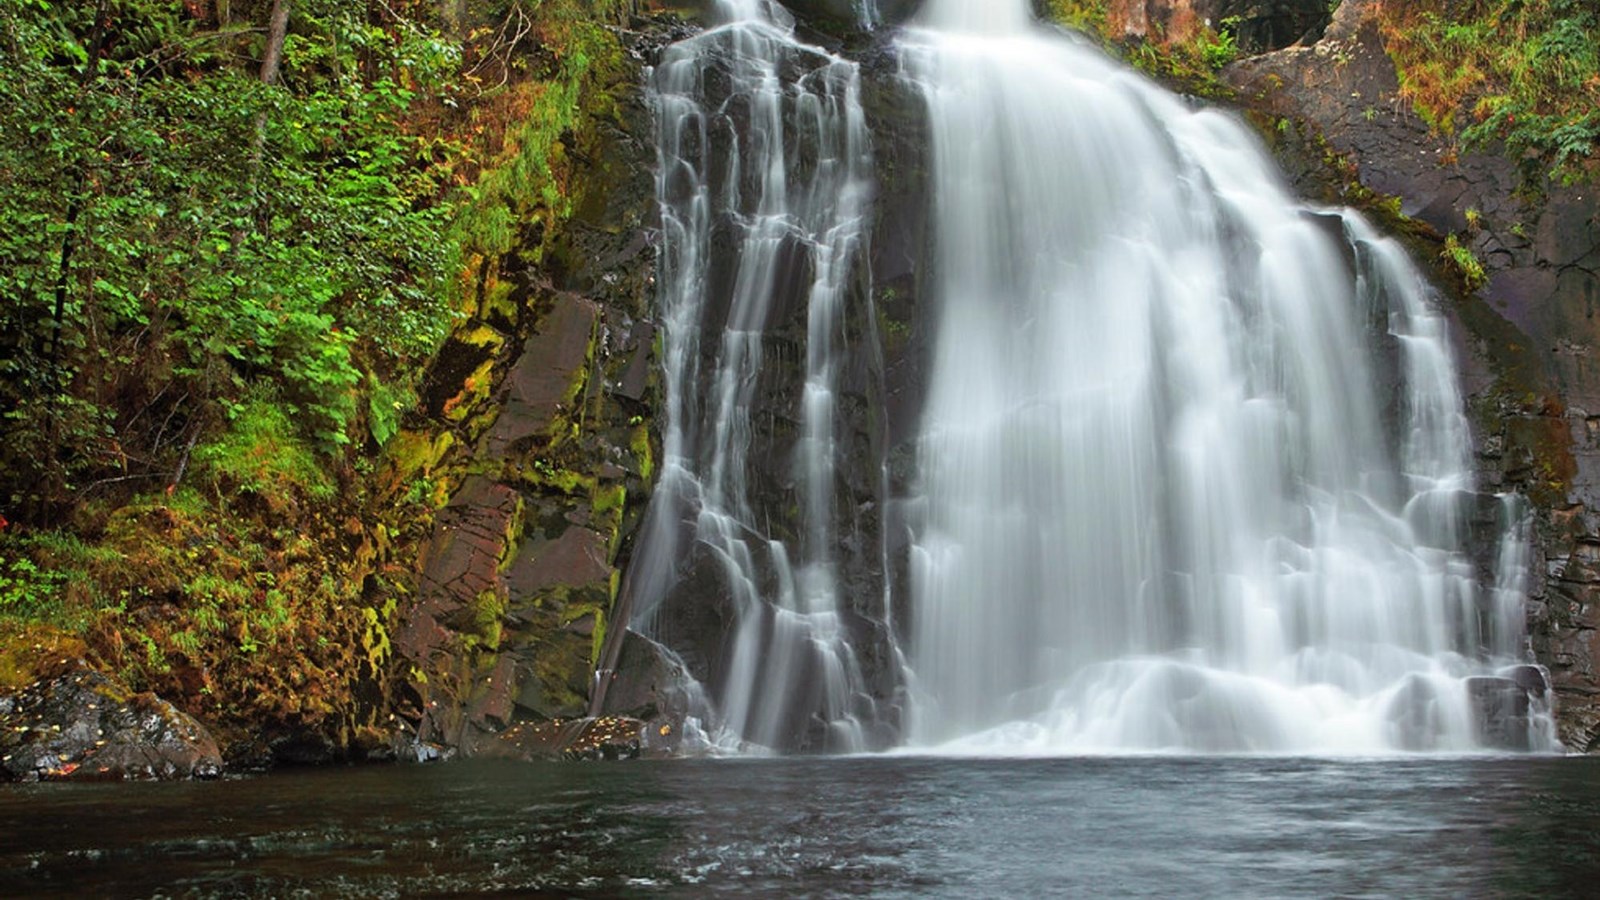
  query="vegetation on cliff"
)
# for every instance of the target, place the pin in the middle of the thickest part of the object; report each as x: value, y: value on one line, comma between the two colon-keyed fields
x: 1185, y: 51
x: 234, y: 236
x: 1526, y: 72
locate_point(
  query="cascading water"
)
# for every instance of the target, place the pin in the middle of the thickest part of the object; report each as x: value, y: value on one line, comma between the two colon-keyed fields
x: 1168, y: 506
x: 1191, y: 468
x: 764, y: 182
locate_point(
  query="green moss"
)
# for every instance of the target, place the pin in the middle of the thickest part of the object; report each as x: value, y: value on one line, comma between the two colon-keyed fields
x: 497, y: 302
x: 480, y: 335
x: 892, y: 331
x: 608, y: 504
x: 544, y: 474
x: 643, y: 451
x: 413, y: 457
x: 488, y: 618
x: 598, y: 639
x: 610, y: 499
x: 512, y: 541
x: 28, y: 649
x: 475, y: 390
x: 262, y: 452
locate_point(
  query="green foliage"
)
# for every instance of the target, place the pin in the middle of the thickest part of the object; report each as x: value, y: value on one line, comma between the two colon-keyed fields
x: 1088, y: 16
x: 1188, y: 60
x: 1467, y: 264
x: 386, y: 403
x: 26, y: 590
x: 1219, y: 48
x: 526, y: 188
x: 263, y: 452
x: 174, y: 233
x: 45, y: 576
x: 1522, y: 72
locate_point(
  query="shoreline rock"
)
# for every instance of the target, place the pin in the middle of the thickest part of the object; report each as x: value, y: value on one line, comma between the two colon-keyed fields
x: 81, y: 725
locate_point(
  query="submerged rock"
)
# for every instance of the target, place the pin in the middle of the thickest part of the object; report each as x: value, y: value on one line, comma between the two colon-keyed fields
x: 82, y: 725
x: 605, y: 737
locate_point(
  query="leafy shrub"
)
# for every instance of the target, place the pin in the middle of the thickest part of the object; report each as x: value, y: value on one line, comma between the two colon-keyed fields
x: 27, y: 591
x: 1466, y: 263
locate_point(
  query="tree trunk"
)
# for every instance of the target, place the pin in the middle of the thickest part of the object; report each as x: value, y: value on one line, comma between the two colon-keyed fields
x: 59, y: 383
x: 277, y: 28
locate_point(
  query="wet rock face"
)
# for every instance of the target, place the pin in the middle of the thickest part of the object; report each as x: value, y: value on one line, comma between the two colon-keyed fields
x: 1501, y: 708
x: 1257, y: 25
x: 1529, y: 340
x: 849, y: 12
x: 543, y: 409
x: 83, y: 726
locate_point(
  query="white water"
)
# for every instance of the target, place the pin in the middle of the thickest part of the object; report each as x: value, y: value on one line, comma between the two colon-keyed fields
x: 770, y: 164
x: 1168, y: 504
x: 1193, y: 469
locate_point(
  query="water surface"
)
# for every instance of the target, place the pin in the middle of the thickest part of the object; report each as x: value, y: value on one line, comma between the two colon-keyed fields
x: 895, y: 827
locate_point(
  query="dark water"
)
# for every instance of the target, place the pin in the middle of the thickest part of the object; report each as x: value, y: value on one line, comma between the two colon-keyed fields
x: 827, y: 827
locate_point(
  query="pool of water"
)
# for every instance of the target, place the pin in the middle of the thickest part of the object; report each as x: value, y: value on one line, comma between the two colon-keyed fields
x: 897, y: 826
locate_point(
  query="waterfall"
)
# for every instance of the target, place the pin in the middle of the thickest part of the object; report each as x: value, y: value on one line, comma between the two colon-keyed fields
x: 867, y: 14
x: 1191, y: 471
x: 764, y: 190
x: 1169, y: 503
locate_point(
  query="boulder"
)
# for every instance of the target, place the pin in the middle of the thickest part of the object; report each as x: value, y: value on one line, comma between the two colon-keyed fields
x: 83, y: 725
x: 1532, y: 679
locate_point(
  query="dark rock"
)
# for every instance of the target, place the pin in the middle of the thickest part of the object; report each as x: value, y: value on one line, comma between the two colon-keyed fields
x: 578, y: 557
x: 540, y: 420
x: 546, y: 374
x: 649, y: 683
x: 846, y: 15
x: 82, y: 725
x: 640, y: 348
x: 1533, y: 679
